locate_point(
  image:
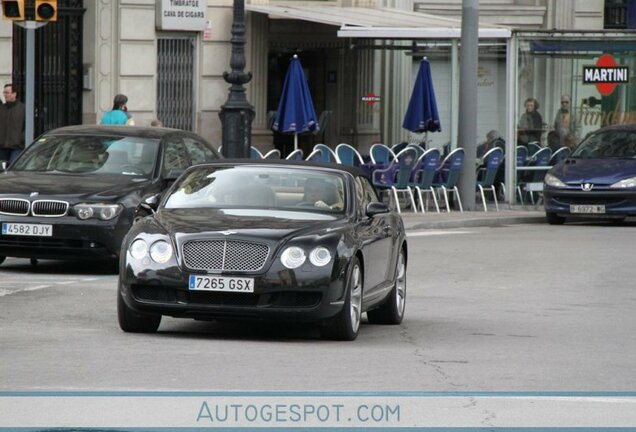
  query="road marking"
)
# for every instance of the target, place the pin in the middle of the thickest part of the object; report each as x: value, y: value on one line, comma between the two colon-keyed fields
x: 436, y: 233
x: 6, y: 292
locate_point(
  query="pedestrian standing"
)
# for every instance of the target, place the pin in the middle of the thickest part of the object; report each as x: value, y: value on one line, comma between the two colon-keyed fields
x: 12, y: 122
x: 119, y: 114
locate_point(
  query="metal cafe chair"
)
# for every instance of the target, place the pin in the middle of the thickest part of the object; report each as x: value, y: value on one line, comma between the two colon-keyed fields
x: 492, y: 160
x: 447, y: 176
x: 348, y: 155
x: 396, y: 177
x: 423, y: 176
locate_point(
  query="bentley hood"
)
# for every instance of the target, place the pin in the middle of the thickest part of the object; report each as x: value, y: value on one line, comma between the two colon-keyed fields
x: 265, y: 224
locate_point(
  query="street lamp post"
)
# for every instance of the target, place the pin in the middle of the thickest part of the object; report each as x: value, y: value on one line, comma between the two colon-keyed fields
x: 237, y: 114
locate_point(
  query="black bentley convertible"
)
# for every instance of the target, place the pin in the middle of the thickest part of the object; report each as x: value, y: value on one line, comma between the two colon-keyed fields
x: 264, y: 239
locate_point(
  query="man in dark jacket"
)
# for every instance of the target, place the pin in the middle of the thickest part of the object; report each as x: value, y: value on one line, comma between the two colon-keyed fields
x: 12, y: 117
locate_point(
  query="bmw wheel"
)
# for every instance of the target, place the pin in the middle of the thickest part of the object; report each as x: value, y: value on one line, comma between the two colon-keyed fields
x: 134, y: 322
x: 392, y: 311
x: 346, y: 325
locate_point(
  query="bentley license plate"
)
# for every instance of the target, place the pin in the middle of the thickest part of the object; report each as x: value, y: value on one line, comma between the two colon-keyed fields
x: 221, y: 283
x: 35, y: 230
x: 587, y: 208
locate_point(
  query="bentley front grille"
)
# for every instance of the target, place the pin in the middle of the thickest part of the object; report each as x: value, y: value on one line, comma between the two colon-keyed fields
x: 14, y: 206
x: 224, y: 255
x: 49, y: 208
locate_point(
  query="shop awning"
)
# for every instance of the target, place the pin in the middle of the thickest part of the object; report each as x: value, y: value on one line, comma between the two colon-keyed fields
x: 378, y: 23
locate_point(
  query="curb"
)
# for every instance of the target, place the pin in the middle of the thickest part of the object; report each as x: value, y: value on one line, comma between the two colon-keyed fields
x: 475, y: 222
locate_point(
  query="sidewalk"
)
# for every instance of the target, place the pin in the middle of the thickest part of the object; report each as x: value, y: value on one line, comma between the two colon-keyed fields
x: 508, y: 215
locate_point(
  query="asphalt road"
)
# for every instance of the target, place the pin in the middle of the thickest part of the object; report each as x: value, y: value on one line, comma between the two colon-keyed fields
x: 519, y: 308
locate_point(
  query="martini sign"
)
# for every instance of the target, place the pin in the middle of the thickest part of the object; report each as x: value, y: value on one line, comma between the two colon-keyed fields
x: 605, y: 74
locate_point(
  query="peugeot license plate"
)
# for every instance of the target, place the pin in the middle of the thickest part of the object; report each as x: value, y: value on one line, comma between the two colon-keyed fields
x: 35, y: 230
x: 587, y: 209
x: 221, y: 283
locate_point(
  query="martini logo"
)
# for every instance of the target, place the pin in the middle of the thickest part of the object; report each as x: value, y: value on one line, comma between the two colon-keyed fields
x: 371, y: 98
x: 606, y: 74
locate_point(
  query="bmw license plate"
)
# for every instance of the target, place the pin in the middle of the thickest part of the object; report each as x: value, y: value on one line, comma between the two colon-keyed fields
x: 587, y: 209
x: 35, y: 230
x: 221, y: 283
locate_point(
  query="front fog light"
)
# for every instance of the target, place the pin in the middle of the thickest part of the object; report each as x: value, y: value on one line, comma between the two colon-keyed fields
x: 161, y: 251
x: 320, y: 256
x: 138, y: 249
x: 293, y: 257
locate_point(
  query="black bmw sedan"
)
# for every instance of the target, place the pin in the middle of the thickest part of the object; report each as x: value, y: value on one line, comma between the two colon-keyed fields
x: 76, y: 191
x: 265, y: 239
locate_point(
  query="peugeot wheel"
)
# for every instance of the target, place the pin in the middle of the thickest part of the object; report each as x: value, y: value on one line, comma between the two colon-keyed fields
x: 346, y: 325
x: 554, y: 219
x: 392, y: 311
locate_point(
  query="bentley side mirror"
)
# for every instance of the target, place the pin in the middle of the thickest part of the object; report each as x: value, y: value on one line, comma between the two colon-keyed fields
x: 374, y: 208
x: 173, y: 174
x: 151, y: 203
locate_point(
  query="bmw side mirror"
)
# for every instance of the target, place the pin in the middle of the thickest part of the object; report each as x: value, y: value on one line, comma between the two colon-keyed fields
x: 374, y: 208
x: 151, y: 203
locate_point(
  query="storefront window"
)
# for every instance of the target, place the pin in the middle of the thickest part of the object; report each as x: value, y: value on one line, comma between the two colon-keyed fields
x: 573, y: 85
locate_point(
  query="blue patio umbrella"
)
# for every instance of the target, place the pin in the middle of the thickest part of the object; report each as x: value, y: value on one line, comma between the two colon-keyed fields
x: 295, y: 113
x: 421, y: 115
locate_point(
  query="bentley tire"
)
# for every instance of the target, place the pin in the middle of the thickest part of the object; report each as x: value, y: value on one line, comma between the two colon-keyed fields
x: 134, y: 322
x: 392, y: 311
x: 346, y: 325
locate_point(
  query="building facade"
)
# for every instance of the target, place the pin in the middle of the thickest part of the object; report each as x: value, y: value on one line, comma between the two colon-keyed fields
x: 173, y: 70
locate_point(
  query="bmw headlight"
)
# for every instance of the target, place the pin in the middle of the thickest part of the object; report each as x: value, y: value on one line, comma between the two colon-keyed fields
x: 293, y: 257
x: 627, y: 183
x: 138, y: 249
x: 95, y: 210
x: 553, y: 181
x: 161, y: 251
x: 320, y: 256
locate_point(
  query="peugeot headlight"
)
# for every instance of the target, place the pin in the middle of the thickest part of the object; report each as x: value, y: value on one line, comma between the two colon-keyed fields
x: 320, y: 256
x: 627, y: 183
x: 293, y: 257
x: 161, y: 251
x: 95, y: 210
x: 138, y: 249
x: 553, y: 181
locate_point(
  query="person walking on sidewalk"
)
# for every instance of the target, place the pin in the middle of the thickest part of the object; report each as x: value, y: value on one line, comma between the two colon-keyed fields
x: 119, y: 114
x: 12, y: 122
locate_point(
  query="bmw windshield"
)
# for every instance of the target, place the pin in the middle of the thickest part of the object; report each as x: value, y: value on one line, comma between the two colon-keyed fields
x: 90, y: 154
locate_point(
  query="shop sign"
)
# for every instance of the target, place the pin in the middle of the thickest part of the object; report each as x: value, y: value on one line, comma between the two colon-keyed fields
x: 189, y: 15
x: 606, y: 74
x: 371, y: 98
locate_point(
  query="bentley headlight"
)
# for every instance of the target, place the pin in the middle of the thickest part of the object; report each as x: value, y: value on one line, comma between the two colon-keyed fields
x: 138, y: 249
x: 97, y: 210
x: 161, y: 251
x: 625, y: 183
x: 320, y: 256
x: 293, y: 257
x: 553, y: 181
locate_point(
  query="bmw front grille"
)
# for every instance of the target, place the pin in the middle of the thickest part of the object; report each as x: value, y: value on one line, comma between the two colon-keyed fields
x: 42, y: 208
x: 225, y: 255
x: 14, y: 206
